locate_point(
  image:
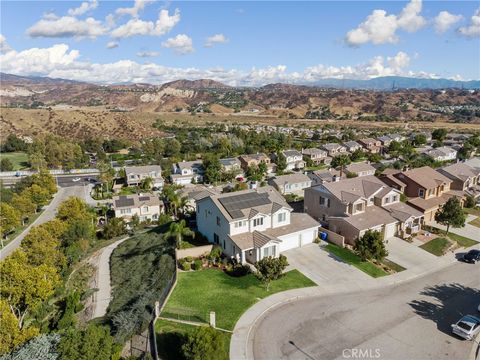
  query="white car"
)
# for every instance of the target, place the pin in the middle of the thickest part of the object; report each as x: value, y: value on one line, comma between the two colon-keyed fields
x: 467, y: 327
x: 76, y: 179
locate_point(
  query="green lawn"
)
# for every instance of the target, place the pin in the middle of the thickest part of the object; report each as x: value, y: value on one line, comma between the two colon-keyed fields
x: 475, y: 222
x: 436, y: 246
x: 18, y: 159
x: 170, y: 337
x: 462, y: 240
x: 473, y: 211
x: 352, y: 259
x: 213, y: 290
x: 315, y: 167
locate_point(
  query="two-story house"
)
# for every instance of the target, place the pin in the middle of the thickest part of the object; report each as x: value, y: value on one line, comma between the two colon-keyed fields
x: 427, y: 190
x: 254, y: 160
x: 252, y: 224
x: 360, y: 169
x: 322, y: 176
x: 187, y: 172
x: 231, y: 165
x: 385, y: 140
x: 145, y: 206
x: 294, y: 159
x: 291, y: 184
x: 136, y: 174
x: 317, y: 156
x: 334, y: 149
x: 352, y: 146
x: 443, y: 153
x: 350, y: 207
x: 464, y: 178
x: 396, y: 137
x: 373, y: 146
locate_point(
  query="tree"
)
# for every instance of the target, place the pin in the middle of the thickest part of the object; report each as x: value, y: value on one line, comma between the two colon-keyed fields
x: 114, y: 228
x: 270, y: 268
x: 37, y: 195
x: 6, y: 165
x: 42, y: 247
x: 37, y: 161
x: 14, y: 143
x: 263, y: 168
x: 23, y: 204
x: 213, y: 168
x: 203, y: 343
x: 451, y: 214
x: 341, y: 161
x: 107, y: 174
x: 72, y: 209
x: 9, y: 219
x: 469, y: 201
x: 371, y: 246
x: 92, y: 343
x: 281, y: 163
x: 419, y: 139
x: 147, y: 183
x: 357, y: 155
x: 177, y: 231
x: 439, y: 134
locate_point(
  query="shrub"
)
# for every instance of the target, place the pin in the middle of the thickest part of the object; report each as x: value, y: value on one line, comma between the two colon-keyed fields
x: 164, y: 219
x: 469, y: 202
x: 197, y: 264
x: 186, y: 266
x: 203, y: 343
x: 188, y: 258
x: 215, y: 254
x: 239, y: 270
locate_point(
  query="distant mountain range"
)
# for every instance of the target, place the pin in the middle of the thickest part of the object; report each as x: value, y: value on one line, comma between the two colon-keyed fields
x: 384, y: 83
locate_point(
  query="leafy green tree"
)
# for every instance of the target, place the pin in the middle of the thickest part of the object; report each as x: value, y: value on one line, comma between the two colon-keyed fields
x: 107, y: 174
x: 37, y: 161
x: 469, y: 202
x: 213, y: 168
x: 73, y: 209
x: 13, y: 143
x: 270, y: 268
x: 177, y: 231
x: 341, y: 161
x: 439, y: 134
x: 24, y: 204
x: 92, y: 343
x: 6, y: 165
x: 115, y: 227
x: 281, y: 163
x: 371, y: 246
x: 357, y: 155
x: 42, y: 247
x: 419, y: 140
x: 263, y: 168
x: 9, y: 219
x: 37, y: 195
x: 147, y: 183
x: 204, y: 343
x: 451, y: 214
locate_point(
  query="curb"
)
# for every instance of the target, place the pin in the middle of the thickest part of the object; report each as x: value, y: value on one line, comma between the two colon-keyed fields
x: 475, y: 352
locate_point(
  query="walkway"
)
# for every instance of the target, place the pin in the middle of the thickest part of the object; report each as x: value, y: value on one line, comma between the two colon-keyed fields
x: 101, y: 261
x: 469, y: 231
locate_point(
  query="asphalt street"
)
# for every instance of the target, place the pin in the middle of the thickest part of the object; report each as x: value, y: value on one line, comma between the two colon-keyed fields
x: 68, y: 180
x: 408, y: 321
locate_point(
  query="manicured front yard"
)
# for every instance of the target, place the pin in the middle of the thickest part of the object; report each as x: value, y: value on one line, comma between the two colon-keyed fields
x: 352, y: 259
x: 213, y: 290
x: 170, y: 337
x: 436, y: 246
x: 462, y: 240
x: 18, y: 159
x: 475, y: 222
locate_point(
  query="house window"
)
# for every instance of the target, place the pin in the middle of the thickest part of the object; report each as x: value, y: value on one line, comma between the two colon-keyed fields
x: 125, y: 211
x: 218, y: 221
x: 216, y: 238
x: 269, y: 251
x: 282, y: 217
x: 395, y: 198
x: 258, y: 222
x: 145, y: 208
x: 387, y: 200
x: 239, y: 223
x: 358, y: 207
x: 223, y: 241
x: 206, y: 214
x: 421, y: 192
x: 324, y: 202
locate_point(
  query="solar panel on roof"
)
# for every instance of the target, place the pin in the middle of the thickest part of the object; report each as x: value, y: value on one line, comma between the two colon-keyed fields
x: 123, y: 201
x: 233, y: 204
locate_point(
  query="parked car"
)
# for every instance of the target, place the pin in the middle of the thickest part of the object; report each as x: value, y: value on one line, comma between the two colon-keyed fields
x: 76, y: 179
x: 472, y: 256
x: 467, y: 327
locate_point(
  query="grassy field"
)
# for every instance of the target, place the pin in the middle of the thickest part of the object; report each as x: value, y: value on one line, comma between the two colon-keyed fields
x: 213, y: 290
x: 436, y: 246
x: 170, y: 337
x: 18, y: 159
x: 352, y: 259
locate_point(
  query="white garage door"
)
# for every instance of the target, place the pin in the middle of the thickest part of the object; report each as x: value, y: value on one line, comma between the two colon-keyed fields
x: 389, y: 231
x: 292, y: 241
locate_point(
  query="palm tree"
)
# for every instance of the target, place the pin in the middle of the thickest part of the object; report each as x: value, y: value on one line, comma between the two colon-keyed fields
x: 178, y: 230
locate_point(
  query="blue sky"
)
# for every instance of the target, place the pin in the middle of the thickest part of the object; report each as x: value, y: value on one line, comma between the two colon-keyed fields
x: 254, y: 43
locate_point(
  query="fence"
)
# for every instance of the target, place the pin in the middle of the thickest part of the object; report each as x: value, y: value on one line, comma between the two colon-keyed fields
x: 333, y: 237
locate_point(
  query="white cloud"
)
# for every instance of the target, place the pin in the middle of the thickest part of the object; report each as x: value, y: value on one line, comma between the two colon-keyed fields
x: 138, y: 6
x: 145, y: 54
x: 410, y: 18
x: 216, y: 39
x: 4, y: 47
x: 444, y: 20
x: 60, y: 62
x: 473, y: 29
x: 181, y: 44
x: 112, y: 45
x: 135, y: 26
x: 83, y: 8
x: 67, y: 26
x: 380, y: 27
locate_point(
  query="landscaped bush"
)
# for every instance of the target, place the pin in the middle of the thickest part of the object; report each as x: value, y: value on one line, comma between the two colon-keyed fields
x: 197, y: 264
x: 239, y: 270
x: 186, y: 266
x: 188, y: 258
x: 215, y: 255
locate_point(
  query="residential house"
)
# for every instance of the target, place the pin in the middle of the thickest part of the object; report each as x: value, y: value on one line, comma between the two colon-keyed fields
x: 317, y: 156
x: 334, y: 149
x: 254, y: 160
x: 464, y: 178
x: 443, y: 153
x: 252, y: 224
x: 145, y: 206
x: 385, y: 140
x: 352, y: 146
x: 187, y: 172
x: 195, y: 193
x: 396, y: 137
x: 427, y: 190
x: 389, y: 178
x: 136, y: 174
x: 350, y: 207
x: 473, y: 162
x: 294, y: 159
x: 231, y: 165
x: 291, y: 184
x: 360, y: 169
x: 373, y: 146
x: 323, y: 176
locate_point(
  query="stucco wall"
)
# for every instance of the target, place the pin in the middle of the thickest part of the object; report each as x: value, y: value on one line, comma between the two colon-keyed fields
x: 333, y: 237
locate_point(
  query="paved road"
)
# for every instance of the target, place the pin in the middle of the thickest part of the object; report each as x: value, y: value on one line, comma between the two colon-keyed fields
x: 67, y: 180
x: 48, y: 214
x: 407, y: 321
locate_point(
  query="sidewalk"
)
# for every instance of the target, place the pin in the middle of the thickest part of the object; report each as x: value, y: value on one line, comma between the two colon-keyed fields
x: 241, y: 344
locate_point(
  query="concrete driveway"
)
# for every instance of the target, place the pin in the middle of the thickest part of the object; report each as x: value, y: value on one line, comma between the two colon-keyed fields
x: 469, y: 231
x: 321, y: 267
x: 409, y: 255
